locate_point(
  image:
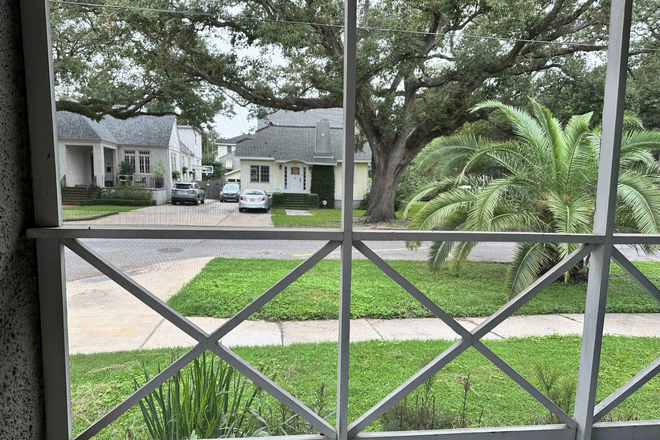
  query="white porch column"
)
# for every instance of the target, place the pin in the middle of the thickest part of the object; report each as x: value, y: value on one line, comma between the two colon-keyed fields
x: 99, y: 164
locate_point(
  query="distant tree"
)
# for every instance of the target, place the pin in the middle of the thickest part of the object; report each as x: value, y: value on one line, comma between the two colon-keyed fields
x: 210, y: 158
x: 126, y: 168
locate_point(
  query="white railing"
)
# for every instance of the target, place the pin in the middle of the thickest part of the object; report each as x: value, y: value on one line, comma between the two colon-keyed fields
x: 600, y: 246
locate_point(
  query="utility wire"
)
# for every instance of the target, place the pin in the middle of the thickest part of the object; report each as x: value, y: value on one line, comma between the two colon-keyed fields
x: 340, y: 26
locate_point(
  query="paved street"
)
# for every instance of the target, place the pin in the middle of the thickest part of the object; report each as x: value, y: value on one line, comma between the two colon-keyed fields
x: 131, y: 255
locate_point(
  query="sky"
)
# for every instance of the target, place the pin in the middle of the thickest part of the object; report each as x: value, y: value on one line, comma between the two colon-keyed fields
x: 240, y: 123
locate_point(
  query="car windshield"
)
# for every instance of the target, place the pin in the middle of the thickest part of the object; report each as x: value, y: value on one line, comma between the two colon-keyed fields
x: 254, y: 193
x: 230, y: 188
x: 183, y: 186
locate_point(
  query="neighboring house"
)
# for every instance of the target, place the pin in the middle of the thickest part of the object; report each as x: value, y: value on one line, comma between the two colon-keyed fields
x: 226, y: 149
x: 90, y: 151
x: 280, y: 156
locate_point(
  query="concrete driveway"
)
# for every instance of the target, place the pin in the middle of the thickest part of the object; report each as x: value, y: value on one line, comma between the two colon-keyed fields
x: 211, y: 214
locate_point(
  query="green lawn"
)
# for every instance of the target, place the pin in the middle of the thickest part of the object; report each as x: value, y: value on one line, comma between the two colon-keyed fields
x: 320, y: 218
x: 225, y: 286
x: 73, y: 213
x: 100, y: 381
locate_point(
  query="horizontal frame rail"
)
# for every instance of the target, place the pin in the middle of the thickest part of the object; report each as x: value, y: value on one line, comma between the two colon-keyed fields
x: 185, y: 233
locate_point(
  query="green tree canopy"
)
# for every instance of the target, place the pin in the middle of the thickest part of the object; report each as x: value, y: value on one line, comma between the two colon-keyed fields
x: 412, y: 86
x: 543, y: 179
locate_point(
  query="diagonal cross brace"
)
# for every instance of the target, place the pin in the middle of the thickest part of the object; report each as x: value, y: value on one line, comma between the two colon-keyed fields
x: 460, y: 346
x: 205, y: 340
x: 635, y: 274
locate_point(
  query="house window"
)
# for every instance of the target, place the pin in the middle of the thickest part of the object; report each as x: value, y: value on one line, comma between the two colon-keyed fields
x: 129, y: 155
x: 286, y: 177
x: 173, y: 157
x: 259, y: 173
x: 304, y: 178
x: 145, y: 165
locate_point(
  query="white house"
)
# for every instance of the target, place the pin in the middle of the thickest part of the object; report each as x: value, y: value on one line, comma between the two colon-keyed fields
x: 281, y: 155
x: 225, y: 151
x: 90, y: 151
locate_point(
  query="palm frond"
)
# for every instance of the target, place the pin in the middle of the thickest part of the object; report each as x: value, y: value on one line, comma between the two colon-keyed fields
x: 643, y: 199
x: 442, y: 207
x: 530, y: 258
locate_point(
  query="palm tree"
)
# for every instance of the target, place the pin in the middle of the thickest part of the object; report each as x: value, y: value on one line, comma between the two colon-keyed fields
x: 543, y: 179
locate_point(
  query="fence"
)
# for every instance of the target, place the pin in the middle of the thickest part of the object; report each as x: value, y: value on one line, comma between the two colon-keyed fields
x: 211, y: 188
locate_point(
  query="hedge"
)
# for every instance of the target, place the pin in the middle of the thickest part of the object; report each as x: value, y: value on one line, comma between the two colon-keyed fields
x: 310, y: 200
x: 117, y: 202
x: 323, y: 184
x: 126, y: 193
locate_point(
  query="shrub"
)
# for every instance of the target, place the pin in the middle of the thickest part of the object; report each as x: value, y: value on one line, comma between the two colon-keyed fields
x: 176, y: 174
x: 398, y: 202
x: 554, y: 383
x: 126, y: 193
x: 310, y: 200
x: 203, y: 400
x: 117, y: 202
x: 126, y: 168
x: 282, y: 421
x: 418, y: 412
x: 323, y: 184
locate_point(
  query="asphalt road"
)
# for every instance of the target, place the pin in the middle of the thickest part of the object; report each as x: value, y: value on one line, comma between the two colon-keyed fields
x: 134, y: 255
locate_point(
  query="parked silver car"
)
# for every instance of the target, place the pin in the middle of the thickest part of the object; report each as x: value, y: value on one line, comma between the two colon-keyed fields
x: 231, y: 191
x: 254, y: 199
x: 187, y: 193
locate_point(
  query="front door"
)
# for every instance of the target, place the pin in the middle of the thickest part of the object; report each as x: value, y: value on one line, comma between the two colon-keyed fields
x: 294, y: 179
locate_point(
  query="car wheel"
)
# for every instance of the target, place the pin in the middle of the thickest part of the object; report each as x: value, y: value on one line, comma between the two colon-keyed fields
x: 203, y: 200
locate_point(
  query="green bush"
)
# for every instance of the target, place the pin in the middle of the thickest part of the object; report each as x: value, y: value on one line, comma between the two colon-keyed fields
x: 117, y: 202
x: 311, y: 200
x: 126, y: 193
x: 323, y: 184
x: 126, y: 168
x: 207, y: 399
x: 398, y: 202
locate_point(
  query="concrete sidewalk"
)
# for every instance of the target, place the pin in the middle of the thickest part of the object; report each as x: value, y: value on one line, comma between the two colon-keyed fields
x: 106, y: 334
x: 103, y: 317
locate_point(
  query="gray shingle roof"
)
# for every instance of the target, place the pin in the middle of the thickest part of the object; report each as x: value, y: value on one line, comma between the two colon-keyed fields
x: 235, y: 139
x: 307, y: 118
x: 140, y: 130
x: 294, y: 143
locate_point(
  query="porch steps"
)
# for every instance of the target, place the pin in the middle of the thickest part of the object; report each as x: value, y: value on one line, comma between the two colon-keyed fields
x: 73, y: 195
x: 295, y: 201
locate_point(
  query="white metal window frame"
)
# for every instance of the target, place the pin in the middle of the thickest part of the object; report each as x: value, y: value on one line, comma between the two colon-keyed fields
x: 52, y: 236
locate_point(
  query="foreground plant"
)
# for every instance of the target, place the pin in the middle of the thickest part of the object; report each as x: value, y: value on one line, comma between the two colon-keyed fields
x: 207, y: 399
x: 543, y: 180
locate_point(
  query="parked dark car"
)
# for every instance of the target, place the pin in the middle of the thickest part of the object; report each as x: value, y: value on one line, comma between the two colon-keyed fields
x: 230, y: 191
x: 188, y: 193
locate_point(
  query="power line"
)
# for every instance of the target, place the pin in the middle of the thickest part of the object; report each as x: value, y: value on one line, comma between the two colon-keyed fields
x: 341, y: 26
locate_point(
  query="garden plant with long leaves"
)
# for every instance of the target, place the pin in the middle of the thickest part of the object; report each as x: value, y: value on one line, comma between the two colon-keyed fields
x: 541, y: 179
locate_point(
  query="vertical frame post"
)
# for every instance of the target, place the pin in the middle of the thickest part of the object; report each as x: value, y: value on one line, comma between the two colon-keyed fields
x: 47, y: 201
x: 608, y: 175
x: 348, y: 153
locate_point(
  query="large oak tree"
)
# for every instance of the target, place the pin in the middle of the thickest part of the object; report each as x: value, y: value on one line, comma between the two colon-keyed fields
x: 412, y: 86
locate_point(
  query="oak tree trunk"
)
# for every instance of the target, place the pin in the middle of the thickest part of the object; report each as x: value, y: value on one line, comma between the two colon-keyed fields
x: 386, y: 168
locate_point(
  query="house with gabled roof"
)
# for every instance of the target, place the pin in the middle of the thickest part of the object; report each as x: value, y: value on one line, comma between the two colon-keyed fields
x: 281, y: 155
x: 90, y: 151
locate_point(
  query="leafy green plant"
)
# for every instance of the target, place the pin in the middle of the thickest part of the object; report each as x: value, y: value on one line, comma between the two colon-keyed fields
x: 418, y: 412
x: 207, y: 399
x: 126, y: 168
x: 280, y: 420
x: 558, y: 387
x: 323, y: 184
x: 126, y: 193
x: 542, y: 179
x: 176, y: 175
